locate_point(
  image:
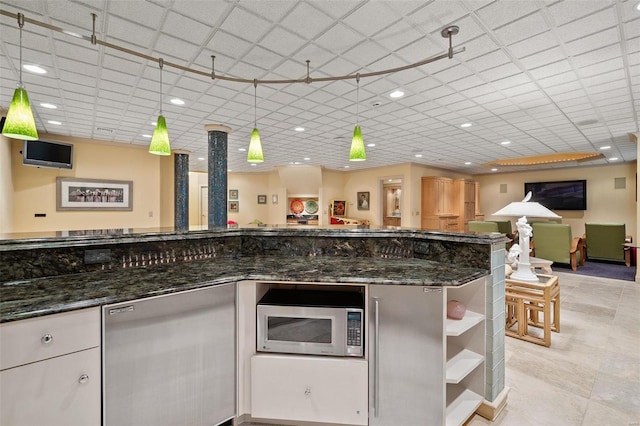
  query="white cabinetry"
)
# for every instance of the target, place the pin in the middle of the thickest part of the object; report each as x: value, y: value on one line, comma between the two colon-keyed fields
x: 464, y: 350
x: 50, y: 370
x: 309, y: 388
x: 425, y: 368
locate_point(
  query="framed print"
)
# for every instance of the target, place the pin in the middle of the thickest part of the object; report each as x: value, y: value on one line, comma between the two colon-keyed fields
x: 262, y: 199
x: 338, y: 208
x: 274, y: 199
x: 363, y: 200
x: 93, y: 194
x: 234, y: 206
x: 233, y: 194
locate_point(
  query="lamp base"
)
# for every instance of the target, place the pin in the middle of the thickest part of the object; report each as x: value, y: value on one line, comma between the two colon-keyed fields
x: 524, y: 273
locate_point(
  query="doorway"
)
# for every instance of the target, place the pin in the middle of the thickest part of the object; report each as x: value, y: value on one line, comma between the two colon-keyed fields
x: 391, y: 201
x: 204, y: 207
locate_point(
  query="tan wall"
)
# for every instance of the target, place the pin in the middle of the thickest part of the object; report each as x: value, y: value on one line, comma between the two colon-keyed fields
x: 34, y: 189
x: 6, y: 186
x: 604, y: 203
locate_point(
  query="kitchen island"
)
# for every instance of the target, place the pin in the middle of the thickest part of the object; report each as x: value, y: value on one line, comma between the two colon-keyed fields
x: 65, y: 273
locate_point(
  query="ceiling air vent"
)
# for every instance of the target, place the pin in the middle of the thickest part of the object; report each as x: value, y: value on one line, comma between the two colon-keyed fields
x: 104, y: 130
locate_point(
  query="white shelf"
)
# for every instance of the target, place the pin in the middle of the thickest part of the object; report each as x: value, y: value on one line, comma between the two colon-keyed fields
x: 458, y: 327
x: 462, y: 364
x: 462, y: 407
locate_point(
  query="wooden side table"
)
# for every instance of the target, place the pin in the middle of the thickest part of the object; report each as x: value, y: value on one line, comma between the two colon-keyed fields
x: 526, y: 301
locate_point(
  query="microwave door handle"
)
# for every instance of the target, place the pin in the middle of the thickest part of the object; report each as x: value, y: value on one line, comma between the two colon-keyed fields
x: 376, y: 366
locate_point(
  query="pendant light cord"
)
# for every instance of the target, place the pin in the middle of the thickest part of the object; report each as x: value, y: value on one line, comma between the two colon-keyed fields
x: 255, y: 103
x: 20, y: 24
x: 160, y: 63
x: 358, y: 98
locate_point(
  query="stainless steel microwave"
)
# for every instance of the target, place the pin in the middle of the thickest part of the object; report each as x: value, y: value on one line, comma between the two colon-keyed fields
x: 312, y: 322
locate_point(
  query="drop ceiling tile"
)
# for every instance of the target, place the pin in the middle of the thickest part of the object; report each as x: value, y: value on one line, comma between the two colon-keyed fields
x: 436, y: 15
x: 369, y: 19
x: 558, y: 79
x: 549, y: 56
x: 241, y: 19
x: 502, y: 13
x: 186, y: 29
x: 522, y: 29
x: 283, y: 42
x: 588, y: 25
x: 338, y: 38
x: 476, y: 47
x: 146, y: 13
x: 567, y: 11
x: 555, y: 68
x: 500, y: 72
x: 593, y: 42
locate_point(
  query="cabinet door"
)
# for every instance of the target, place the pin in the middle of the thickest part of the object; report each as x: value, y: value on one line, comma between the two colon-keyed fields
x: 406, y: 355
x: 170, y: 360
x: 62, y: 391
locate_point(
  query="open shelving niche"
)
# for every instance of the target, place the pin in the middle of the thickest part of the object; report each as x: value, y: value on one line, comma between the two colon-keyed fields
x: 465, y: 349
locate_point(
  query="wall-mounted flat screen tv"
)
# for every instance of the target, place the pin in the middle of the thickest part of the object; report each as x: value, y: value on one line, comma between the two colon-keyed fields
x: 47, y: 154
x: 563, y: 195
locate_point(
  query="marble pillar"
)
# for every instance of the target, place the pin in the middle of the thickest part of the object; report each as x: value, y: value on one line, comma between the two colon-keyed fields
x: 217, y: 161
x: 181, y: 190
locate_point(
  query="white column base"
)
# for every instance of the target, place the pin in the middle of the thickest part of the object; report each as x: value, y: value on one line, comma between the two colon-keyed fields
x: 491, y: 409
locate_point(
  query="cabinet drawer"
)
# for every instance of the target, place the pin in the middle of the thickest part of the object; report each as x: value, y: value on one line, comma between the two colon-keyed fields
x: 307, y: 388
x: 35, y: 339
x: 63, y: 391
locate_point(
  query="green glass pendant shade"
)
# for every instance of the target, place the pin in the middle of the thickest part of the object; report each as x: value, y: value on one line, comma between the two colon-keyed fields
x: 19, y: 123
x: 357, y: 152
x: 255, y: 148
x: 160, y: 139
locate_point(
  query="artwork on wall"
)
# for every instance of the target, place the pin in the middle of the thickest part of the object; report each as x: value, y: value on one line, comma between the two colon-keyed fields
x: 274, y: 199
x: 338, y: 208
x: 233, y: 194
x: 262, y: 199
x: 234, y: 206
x: 363, y: 200
x: 93, y: 194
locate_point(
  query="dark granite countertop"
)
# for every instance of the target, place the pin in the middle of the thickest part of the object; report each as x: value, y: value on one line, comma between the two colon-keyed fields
x: 43, y: 296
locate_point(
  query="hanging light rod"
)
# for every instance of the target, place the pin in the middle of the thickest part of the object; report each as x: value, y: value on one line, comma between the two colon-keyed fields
x: 447, y: 32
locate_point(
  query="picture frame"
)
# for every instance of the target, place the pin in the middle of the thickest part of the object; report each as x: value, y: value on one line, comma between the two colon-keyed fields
x: 274, y: 198
x: 262, y: 199
x: 363, y: 200
x: 234, y: 206
x: 233, y: 194
x: 93, y: 194
x: 338, y: 208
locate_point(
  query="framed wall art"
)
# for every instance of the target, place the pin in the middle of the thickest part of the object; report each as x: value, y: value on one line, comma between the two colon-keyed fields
x: 262, y: 199
x: 363, y: 200
x: 233, y: 194
x: 93, y: 194
x: 234, y: 206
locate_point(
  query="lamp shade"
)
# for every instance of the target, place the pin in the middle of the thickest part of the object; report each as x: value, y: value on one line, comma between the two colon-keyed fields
x: 357, y: 152
x: 255, y: 148
x: 526, y: 208
x: 19, y: 123
x: 160, y: 139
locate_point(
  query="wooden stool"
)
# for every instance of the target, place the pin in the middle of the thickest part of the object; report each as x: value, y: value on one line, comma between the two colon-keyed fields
x: 525, y: 302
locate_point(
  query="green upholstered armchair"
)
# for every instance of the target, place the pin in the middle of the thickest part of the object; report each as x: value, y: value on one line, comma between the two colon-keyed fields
x: 504, y: 227
x: 605, y: 241
x: 553, y: 241
x: 482, y: 226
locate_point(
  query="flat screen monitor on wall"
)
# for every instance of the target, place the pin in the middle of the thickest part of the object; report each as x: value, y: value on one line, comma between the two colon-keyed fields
x: 563, y: 195
x: 47, y: 154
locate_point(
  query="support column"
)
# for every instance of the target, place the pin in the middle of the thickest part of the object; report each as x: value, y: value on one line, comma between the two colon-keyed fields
x: 217, y: 160
x: 181, y: 190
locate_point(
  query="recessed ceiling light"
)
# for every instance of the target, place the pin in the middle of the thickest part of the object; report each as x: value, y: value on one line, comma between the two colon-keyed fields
x: 638, y: 6
x: 604, y: 148
x: 463, y: 125
x: 229, y: 170
x: 202, y: 159
x: 177, y: 101
x: 146, y: 136
x: 418, y: 155
x: 505, y: 142
x: 50, y: 106
x: 613, y: 159
x: 396, y: 94
x: 154, y: 123
x: 299, y: 129
x: 242, y: 149
x: 57, y: 123
x: 34, y: 69
x: 346, y: 167
x: 371, y: 145
x: 307, y: 158
x: 494, y: 170
x: 467, y: 163
x: 253, y: 165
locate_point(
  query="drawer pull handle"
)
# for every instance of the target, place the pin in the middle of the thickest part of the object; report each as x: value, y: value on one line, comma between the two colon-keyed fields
x: 46, y: 339
x: 83, y: 379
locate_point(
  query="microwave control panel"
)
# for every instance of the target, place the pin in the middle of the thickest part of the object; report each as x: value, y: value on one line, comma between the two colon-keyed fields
x: 354, y: 332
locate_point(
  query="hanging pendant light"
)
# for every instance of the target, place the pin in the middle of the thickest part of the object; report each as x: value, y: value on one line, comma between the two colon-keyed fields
x: 357, y: 152
x: 255, y: 145
x: 160, y: 140
x: 19, y: 123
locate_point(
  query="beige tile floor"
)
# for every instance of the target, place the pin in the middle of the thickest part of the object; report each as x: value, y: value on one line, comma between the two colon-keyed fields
x: 590, y: 376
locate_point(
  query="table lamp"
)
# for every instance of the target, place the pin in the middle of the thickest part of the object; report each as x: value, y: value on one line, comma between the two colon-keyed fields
x: 523, y: 209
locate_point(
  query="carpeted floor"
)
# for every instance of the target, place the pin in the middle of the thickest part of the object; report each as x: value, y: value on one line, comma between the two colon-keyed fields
x: 601, y: 269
